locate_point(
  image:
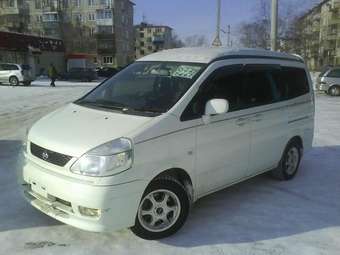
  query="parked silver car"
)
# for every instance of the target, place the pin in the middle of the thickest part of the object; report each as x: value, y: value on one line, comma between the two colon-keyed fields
x: 15, y: 74
x: 329, y: 81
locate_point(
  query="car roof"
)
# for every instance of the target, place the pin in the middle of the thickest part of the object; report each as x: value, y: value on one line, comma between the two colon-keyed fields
x: 207, y: 55
x: 9, y: 64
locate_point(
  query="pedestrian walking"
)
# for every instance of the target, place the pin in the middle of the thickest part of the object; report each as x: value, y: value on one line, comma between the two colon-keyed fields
x: 52, y: 74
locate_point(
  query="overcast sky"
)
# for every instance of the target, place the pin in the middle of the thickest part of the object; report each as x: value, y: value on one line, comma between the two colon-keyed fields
x: 190, y: 17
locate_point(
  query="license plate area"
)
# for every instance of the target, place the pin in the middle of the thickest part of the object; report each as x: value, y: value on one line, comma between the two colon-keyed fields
x: 39, y: 189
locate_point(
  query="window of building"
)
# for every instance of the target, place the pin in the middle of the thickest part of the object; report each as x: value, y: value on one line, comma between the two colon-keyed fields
x: 150, y: 48
x: 11, y: 3
x: 77, y: 3
x: 149, y: 30
x: 104, y: 14
x: 50, y: 17
x: 142, y: 52
x: 142, y: 44
x: 141, y: 35
x: 104, y: 29
x: 78, y: 17
x: 91, y: 2
x: 92, y: 31
x: 158, y: 30
x: 92, y: 16
x: 108, y: 60
x: 37, y: 4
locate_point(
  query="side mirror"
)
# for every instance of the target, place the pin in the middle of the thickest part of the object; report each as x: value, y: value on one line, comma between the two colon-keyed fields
x: 215, y: 107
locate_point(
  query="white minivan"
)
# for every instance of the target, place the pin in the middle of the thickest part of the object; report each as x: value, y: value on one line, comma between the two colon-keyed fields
x: 138, y: 150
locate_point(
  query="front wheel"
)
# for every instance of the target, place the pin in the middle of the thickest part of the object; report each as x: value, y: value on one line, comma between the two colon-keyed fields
x: 334, y: 91
x: 162, y: 210
x: 289, y: 164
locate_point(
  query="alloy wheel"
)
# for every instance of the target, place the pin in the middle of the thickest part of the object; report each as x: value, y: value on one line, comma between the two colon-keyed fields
x: 159, y: 210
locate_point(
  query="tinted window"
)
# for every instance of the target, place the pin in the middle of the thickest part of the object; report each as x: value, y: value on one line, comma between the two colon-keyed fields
x: 12, y: 67
x: 225, y: 83
x: 290, y: 82
x: 7, y: 67
x: 258, y: 88
x: 335, y: 73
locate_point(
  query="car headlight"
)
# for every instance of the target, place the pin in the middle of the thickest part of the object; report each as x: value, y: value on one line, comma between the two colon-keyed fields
x: 105, y: 160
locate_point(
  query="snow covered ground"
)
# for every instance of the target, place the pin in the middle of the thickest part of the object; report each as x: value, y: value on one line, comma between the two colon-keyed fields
x: 260, y: 216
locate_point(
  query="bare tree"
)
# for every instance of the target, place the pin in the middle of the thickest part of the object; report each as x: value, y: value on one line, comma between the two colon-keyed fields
x: 176, y: 41
x: 196, y: 41
x: 256, y: 33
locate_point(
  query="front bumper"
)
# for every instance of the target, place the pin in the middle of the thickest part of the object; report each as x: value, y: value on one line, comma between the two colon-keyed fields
x: 60, y: 197
x: 322, y: 87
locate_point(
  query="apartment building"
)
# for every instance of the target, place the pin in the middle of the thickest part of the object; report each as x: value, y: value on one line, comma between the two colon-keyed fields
x: 101, y: 28
x: 321, y: 35
x: 151, y: 38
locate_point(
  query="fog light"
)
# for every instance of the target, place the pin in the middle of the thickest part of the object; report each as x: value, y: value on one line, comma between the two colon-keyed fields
x: 89, y: 212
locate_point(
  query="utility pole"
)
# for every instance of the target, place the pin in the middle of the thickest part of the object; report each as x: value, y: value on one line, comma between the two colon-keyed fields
x: 274, y: 19
x: 228, y: 37
x: 217, y: 42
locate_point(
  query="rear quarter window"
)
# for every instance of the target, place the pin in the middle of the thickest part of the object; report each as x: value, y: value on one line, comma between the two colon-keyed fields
x: 291, y: 82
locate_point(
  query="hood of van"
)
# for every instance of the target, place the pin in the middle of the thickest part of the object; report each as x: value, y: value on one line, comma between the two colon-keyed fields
x: 74, y: 130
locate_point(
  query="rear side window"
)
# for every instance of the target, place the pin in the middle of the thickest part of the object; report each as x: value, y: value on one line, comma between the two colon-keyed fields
x: 335, y: 73
x: 258, y: 88
x: 290, y: 83
x: 7, y: 67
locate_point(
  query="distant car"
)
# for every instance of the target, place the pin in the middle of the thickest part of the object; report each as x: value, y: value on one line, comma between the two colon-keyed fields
x: 329, y: 81
x: 15, y: 74
x: 80, y: 74
x: 106, y: 72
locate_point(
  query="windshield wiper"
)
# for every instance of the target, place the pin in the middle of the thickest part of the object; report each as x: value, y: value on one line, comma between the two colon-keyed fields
x: 105, y: 104
x: 149, y: 110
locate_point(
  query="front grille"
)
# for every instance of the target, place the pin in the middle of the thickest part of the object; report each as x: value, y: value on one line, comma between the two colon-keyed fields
x: 50, y: 156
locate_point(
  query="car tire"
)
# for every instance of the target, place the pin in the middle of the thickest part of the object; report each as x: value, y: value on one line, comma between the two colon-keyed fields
x: 163, y: 209
x: 334, y: 91
x: 289, y: 163
x: 13, y: 81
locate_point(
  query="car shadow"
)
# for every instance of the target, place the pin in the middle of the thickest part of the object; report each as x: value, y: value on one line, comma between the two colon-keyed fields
x: 15, y: 212
x: 262, y: 208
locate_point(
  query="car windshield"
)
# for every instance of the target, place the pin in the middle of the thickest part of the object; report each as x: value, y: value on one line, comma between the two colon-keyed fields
x: 146, y: 88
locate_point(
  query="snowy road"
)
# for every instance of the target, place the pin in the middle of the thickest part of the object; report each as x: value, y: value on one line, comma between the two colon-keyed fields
x: 261, y: 216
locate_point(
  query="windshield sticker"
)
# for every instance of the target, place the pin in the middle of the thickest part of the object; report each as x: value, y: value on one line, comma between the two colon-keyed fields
x: 187, y: 72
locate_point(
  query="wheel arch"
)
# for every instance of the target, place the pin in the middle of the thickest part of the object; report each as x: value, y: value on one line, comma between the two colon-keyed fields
x: 180, y: 175
x: 332, y: 86
x: 13, y: 76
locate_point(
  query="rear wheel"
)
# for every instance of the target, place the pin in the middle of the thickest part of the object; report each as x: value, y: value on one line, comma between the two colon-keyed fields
x: 334, y: 91
x: 289, y: 164
x: 14, y: 81
x: 163, y: 209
